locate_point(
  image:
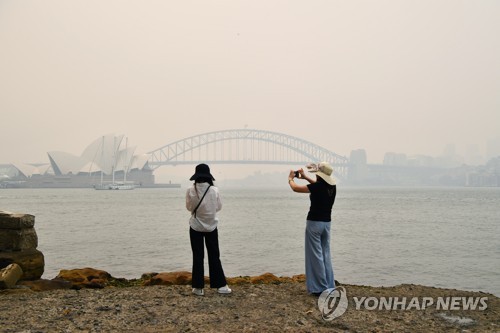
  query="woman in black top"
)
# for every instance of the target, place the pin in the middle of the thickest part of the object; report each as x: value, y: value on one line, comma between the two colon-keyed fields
x: 322, y: 192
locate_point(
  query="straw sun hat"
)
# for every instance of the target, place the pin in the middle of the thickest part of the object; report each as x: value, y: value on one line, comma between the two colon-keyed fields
x: 323, y: 170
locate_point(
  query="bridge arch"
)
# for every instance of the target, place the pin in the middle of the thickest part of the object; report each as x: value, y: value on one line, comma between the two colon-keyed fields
x: 245, y: 146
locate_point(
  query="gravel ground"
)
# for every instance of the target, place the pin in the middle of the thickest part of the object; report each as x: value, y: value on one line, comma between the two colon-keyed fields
x: 250, y: 308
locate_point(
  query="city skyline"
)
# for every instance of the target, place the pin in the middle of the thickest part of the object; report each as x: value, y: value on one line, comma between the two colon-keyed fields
x: 395, y: 76
x: 485, y: 151
x: 449, y: 158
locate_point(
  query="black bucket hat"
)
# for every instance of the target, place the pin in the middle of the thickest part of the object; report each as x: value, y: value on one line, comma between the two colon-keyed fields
x: 202, y: 170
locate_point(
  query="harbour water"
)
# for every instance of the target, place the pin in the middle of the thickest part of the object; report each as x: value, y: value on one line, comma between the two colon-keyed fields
x: 442, y: 237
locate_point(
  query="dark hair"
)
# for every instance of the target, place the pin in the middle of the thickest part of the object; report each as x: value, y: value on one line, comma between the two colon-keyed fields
x: 204, y: 180
x: 321, y: 180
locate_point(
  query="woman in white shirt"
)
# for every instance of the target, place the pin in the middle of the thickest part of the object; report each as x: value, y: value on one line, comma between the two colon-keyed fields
x: 203, y: 201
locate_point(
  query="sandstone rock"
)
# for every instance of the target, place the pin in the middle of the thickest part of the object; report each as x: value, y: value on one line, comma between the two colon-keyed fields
x: 299, y: 278
x: 16, y: 221
x: 18, y: 239
x: 147, y: 276
x: 10, y: 275
x: 170, y: 278
x: 18, y: 242
x: 31, y: 261
x: 239, y: 280
x: 284, y: 279
x: 44, y: 285
x: 185, y: 278
x: 266, y: 278
x: 85, y: 277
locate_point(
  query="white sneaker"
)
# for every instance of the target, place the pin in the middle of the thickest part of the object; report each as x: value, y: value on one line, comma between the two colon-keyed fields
x: 198, y: 291
x: 224, y: 290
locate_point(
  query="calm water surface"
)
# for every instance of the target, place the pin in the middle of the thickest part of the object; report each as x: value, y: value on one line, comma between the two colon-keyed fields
x: 442, y: 237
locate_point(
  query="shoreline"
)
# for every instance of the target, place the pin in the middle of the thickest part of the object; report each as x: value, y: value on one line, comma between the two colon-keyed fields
x: 162, y: 302
x: 131, y: 280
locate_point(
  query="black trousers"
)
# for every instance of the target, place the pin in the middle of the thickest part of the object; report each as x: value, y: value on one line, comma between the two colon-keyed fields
x: 217, y: 278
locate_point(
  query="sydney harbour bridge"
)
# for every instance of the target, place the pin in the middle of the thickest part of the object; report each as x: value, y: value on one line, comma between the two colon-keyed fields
x: 246, y: 146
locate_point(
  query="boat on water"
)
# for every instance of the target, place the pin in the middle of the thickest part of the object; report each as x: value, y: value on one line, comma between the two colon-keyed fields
x: 114, y: 186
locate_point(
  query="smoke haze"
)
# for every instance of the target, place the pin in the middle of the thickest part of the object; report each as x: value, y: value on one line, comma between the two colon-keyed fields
x: 401, y: 76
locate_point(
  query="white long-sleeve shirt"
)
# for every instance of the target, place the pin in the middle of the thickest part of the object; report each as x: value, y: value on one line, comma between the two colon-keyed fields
x: 206, y: 219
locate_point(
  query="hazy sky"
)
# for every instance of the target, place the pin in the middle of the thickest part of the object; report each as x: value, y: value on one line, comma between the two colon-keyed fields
x: 394, y: 75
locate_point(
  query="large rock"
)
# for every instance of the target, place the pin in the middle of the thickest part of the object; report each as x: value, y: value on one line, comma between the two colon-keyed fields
x: 170, y: 278
x: 18, y: 240
x: 31, y: 261
x: 10, y: 275
x: 85, y: 277
x: 44, y: 285
x: 10, y: 220
x: 18, y: 243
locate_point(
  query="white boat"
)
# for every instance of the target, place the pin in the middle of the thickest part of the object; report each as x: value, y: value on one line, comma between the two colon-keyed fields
x: 114, y: 186
x: 122, y: 187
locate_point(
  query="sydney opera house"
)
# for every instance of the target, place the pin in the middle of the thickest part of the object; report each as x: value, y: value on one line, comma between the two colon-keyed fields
x: 108, y: 159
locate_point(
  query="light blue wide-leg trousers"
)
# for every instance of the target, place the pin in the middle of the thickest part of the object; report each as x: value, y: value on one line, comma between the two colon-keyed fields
x: 319, y: 269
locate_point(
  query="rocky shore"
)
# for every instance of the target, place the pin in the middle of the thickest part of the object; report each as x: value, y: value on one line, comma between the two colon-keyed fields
x: 89, y: 300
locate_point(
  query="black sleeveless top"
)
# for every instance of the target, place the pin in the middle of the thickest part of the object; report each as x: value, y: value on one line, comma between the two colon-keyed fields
x: 322, y: 198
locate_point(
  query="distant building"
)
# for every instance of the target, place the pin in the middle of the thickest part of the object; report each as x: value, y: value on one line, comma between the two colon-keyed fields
x: 485, y: 176
x: 421, y: 161
x: 358, y: 169
x: 106, y: 159
x: 107, y: 154
x: 358, y: 157
x: 395, y: 159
